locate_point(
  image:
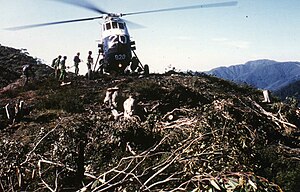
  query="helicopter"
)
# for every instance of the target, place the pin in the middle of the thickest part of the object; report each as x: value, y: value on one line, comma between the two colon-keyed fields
x: 116, y: 47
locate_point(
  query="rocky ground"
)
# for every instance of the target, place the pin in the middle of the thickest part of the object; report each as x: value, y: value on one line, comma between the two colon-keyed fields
x: 191, y: 133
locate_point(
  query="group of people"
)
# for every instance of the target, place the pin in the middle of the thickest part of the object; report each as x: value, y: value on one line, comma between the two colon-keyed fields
x: 59, y: 65
x: 129, y: 104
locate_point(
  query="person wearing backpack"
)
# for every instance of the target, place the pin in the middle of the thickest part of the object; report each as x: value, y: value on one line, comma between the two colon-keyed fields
x: 63, y: 69
x: 27, y: 71
x: 55, y: 65
x: 76, y: 63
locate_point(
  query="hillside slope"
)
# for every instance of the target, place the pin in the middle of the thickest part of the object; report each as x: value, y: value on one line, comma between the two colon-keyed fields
x: 221, y: 135
x: 11, y: 64
x: 191, y: 134
x: 289, y: 91
x: 263, y: 74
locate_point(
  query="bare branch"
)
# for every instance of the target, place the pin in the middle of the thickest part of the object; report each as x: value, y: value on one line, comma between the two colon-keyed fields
x: 30, y: 152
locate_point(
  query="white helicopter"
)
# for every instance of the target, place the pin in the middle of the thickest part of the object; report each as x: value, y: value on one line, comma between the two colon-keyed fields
x: 116, y: 47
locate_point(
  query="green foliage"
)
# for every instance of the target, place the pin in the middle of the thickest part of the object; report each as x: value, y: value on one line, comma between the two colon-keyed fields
x: 65, y: 99
x: 147, y: 90
x: 11, y: 93
x: 139, y: 137
x: 280, y: 169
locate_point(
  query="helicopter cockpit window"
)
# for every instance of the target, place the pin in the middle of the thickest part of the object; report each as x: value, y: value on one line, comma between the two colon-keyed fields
x: 114, y: 25
x: 121, y: 25
x: 108, y: 26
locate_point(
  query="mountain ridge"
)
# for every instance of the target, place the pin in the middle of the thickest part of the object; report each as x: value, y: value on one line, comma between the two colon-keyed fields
x: 262, y: 74
x: 192, y: 133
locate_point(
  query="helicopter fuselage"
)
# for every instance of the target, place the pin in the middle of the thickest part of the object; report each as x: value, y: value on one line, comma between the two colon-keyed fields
x: 116, y: 45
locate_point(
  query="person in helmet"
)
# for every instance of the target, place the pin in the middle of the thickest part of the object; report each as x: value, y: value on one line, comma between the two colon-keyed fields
x: 63, y: 69
x: 77, y: 60
x: 90, y: 62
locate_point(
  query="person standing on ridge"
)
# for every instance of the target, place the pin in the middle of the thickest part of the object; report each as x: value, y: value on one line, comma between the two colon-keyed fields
x: 76, y: 63
x: 90, y: 62
x: 63, y: 69
x: 27, y: 70
x: 55, y: 64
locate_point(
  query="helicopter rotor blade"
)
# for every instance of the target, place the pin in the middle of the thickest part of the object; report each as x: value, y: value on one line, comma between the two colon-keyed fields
x: 211, y: 5
x: 133, y: 25
x: 84, y: 4
x: 52, y: 23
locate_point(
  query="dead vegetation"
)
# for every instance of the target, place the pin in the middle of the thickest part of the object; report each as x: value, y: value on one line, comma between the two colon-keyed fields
x: 192, y: 134
x: 196, y: 134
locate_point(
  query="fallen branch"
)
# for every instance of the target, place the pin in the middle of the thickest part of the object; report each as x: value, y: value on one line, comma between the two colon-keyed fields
x: 185, y: 122
x: 175, y: 110
x: 262, y: 110
x: 40, y: 174
x: 69, y: 169
x: 131, y: 160
x: 30, y: 152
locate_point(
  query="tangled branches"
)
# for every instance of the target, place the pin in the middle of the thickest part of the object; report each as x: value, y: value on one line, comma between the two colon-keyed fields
x: 199, y: 157
x: 200, y: 141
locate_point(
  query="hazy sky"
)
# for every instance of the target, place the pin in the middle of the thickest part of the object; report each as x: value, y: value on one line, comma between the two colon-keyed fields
x: 198, y: 39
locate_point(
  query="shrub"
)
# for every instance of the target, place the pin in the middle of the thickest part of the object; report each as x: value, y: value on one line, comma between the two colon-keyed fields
x: 67, y: 100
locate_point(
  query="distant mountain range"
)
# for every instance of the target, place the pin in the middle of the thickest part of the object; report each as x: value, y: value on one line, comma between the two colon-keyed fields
x: 263, y: 74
